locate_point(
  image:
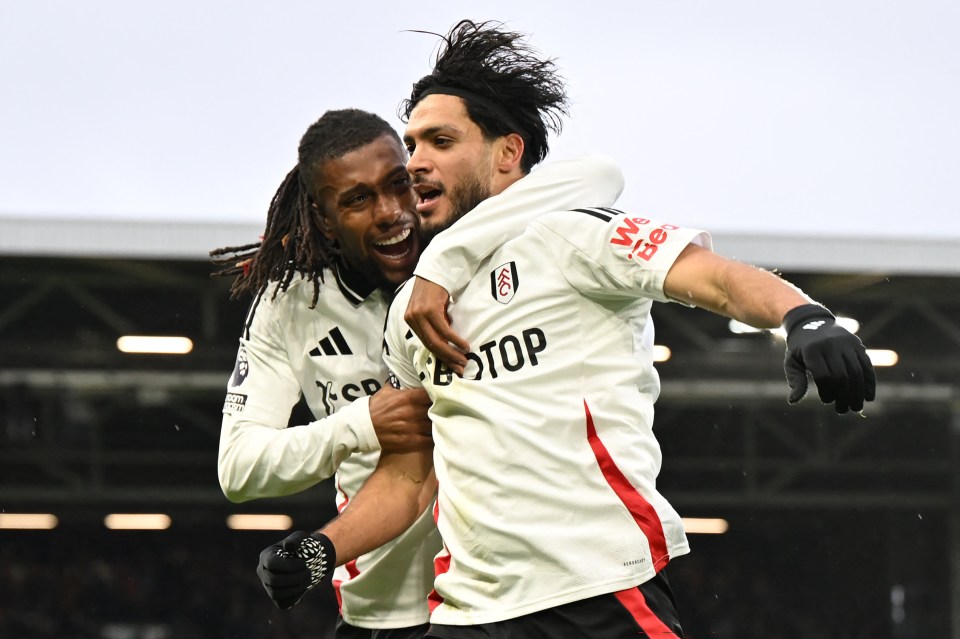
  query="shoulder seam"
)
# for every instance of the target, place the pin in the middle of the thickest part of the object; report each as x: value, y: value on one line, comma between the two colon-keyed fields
x: 253, y: 309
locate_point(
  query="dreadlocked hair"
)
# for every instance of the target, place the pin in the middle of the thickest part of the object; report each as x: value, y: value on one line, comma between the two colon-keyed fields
x: 293, y: 242
x: 517, y: 91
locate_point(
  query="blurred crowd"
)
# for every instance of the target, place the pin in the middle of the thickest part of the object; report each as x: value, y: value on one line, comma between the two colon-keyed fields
x: 144, y: 585
x: 183, y: 585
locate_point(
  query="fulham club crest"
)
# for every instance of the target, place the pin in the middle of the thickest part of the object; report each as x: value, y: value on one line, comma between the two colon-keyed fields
x: 504, y: 282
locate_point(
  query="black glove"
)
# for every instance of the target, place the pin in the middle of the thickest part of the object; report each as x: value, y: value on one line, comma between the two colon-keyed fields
x: 835, y: 357
x: 290, y: 568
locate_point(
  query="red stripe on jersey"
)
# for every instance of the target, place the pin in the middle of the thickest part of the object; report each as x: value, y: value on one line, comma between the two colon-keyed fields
x: 636, y: 604
x: 346, y: 498
x: 643, y: 513
x: 352, y: 570
x: 441, y: 564
x: 351, y: 566
x: 336, y: 591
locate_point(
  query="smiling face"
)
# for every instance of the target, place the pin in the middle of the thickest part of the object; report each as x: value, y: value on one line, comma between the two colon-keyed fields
x: 452, y: 164
x: 365, y: 202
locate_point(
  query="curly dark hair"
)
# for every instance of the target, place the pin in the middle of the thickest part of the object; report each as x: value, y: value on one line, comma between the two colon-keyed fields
x: 292, y: 241
x: 506, y: 86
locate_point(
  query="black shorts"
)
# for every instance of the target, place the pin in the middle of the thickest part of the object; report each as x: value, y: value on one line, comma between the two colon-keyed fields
x: 346, y: 631
x: 648, y: 610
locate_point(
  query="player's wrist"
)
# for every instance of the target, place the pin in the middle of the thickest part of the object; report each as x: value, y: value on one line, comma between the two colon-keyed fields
x: 318, y: 553
x: 803, y: 315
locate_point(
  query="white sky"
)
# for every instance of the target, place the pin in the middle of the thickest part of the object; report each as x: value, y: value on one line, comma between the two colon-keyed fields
x: 820, y: 117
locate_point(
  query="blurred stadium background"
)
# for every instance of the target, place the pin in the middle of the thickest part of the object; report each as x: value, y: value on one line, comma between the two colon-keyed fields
x: 836, y: 526
x: 135, y: 137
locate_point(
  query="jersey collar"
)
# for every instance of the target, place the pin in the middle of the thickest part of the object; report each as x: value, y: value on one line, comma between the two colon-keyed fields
x: 354, y: 285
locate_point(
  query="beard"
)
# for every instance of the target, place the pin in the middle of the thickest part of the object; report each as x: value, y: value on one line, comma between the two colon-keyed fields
x: 464, y: 197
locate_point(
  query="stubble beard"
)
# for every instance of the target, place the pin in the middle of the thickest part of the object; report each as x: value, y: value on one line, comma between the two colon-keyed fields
x: 464, y: 197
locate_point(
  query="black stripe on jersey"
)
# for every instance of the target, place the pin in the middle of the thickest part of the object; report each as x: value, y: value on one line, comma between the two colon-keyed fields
x: 253, y: 309
x: 340, y: 341
x: 348, y: 292
x: 611, y: 211
x: 327, y: 347
x: 386, y: 348
x: 597, y: 213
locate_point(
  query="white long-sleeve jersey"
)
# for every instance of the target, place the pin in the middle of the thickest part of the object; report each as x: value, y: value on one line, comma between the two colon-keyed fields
x: 544, y: 448
x: 331, y: 356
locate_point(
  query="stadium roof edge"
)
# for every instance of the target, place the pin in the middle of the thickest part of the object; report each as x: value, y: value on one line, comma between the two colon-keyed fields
x: 138, y: 239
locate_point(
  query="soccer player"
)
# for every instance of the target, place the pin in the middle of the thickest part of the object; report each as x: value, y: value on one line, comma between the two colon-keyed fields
x: 544, y: 451
x: 313, y: 331
x: 342, y: 232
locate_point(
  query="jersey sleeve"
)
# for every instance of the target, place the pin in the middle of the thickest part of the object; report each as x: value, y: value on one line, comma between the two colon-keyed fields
x: 608, y: 253
x: 259, y: 456
x: 399, y: 344
x: 452, y: 256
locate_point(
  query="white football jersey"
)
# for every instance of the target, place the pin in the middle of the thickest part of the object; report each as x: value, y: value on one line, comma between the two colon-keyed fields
x: 544, y: 449
x: 331, y: 354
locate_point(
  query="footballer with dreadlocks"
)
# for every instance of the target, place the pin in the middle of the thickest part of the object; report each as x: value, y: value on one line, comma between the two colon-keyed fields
x: 341, y: 234
x: 341, y: 231
x: 545, y: 456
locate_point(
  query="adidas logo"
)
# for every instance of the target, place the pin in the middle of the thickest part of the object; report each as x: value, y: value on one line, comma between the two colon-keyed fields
x: 812, y: 326
x: 333, y: 344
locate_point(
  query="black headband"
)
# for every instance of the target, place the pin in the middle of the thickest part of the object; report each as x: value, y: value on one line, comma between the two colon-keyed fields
x: 494, y: 107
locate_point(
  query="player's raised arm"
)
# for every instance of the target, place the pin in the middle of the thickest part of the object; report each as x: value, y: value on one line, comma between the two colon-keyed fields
x: 835, y: 358
x: 610, y: 253
x: 451, y: 258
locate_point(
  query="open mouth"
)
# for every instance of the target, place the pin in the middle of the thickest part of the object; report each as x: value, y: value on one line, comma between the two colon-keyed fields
x: 396, y: 246
x: 429, y: 195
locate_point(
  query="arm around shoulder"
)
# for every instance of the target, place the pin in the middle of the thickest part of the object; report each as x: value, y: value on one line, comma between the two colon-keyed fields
x: 450, y: 259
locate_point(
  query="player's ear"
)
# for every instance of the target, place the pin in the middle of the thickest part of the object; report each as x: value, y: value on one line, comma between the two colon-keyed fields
x: 509, y: 152
x: 323, y: 221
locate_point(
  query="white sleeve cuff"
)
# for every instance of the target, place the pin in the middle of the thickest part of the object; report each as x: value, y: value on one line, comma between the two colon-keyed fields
x: 358, y: 420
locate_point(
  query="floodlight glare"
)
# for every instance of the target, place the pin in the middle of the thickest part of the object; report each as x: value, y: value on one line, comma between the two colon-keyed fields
x: 259, y: 522
x: 28, y: 521
x: 155, y: 344
x: 137, y: 521
x: 705, y: 526
x: 661, y: 353
x: 882, y: 357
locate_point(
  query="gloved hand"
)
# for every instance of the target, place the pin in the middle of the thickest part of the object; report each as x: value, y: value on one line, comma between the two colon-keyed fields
x: 290, y: 568
x: 835, y: 357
